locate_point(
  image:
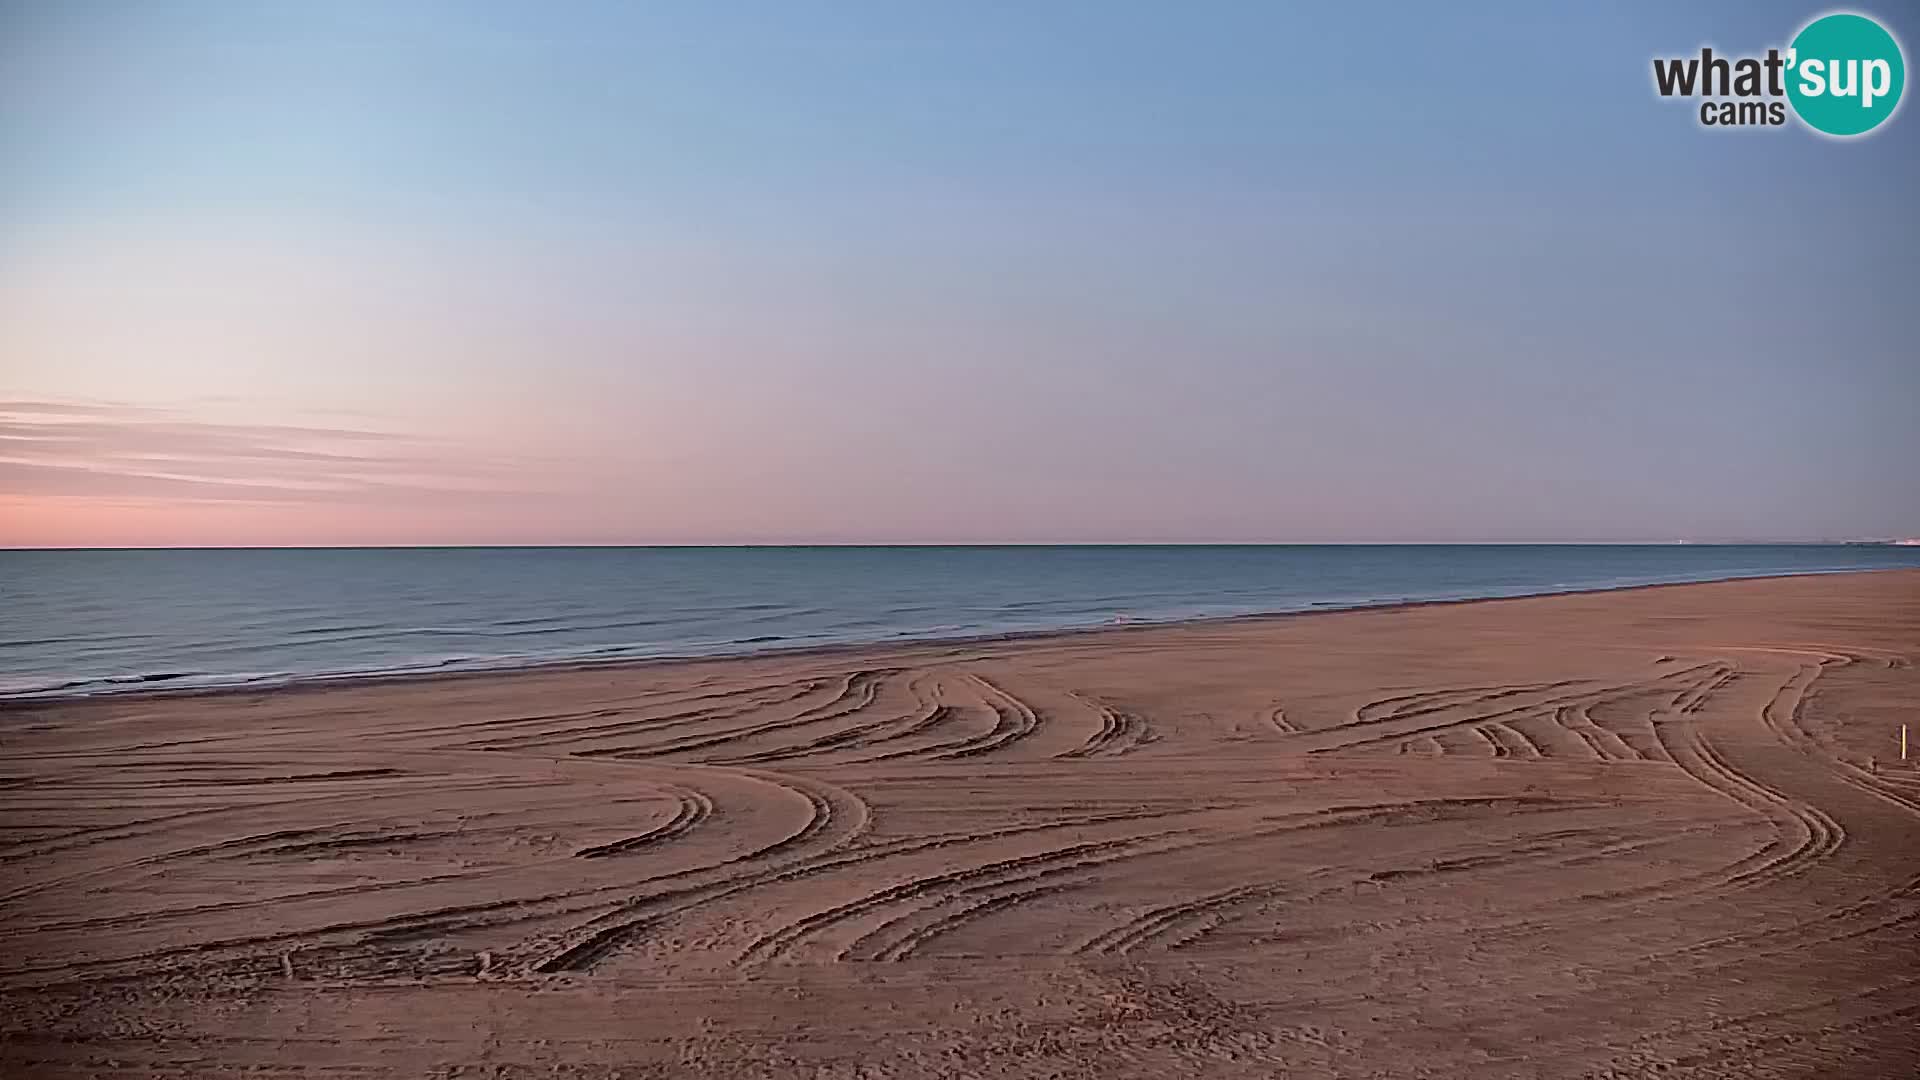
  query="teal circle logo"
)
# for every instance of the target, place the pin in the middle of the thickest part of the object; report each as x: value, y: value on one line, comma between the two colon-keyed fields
x: 1845, y: 74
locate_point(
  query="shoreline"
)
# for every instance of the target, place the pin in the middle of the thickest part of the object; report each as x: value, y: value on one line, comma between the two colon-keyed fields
x: 135, y: 692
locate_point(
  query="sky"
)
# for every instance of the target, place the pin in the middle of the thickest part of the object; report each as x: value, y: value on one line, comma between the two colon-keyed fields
x: 514, y: 273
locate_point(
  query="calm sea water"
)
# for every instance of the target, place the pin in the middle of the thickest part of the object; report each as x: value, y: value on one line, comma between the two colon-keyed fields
x: 88, y: 622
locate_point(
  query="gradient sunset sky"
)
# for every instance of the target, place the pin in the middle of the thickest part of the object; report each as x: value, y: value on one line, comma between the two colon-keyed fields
x: 369, y: 272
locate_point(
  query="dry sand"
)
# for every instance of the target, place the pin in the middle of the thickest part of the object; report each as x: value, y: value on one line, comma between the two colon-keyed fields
x: 1622, y: 834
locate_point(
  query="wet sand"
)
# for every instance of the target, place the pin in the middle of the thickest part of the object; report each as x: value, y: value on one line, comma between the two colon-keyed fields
x: 1653, y: 832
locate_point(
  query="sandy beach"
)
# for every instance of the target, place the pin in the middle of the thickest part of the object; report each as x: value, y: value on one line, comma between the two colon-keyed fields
x: 1662, y: 831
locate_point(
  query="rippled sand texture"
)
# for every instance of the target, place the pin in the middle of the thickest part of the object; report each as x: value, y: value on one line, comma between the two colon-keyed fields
x: 1619, y: 834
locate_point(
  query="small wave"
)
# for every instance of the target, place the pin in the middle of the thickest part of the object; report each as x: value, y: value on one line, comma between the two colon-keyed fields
x: 102, y: 639
x: 536, y: 620
x: 158, y: 676
x: 30, y: 688
x: 349, y: 628
x: 109, y: 684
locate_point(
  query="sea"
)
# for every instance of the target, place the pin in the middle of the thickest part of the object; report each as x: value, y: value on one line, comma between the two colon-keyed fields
x: 79, y: 623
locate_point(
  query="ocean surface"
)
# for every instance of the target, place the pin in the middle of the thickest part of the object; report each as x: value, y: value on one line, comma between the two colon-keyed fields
x: 91, y: 622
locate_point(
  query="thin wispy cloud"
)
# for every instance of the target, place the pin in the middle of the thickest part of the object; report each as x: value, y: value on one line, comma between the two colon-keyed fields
x: 96, y: 450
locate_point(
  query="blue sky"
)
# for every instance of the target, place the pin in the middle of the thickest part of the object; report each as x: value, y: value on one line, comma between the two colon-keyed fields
x: 776, y: 272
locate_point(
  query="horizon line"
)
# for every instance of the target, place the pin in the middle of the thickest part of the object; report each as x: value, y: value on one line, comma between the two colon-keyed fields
x: 694, y: 545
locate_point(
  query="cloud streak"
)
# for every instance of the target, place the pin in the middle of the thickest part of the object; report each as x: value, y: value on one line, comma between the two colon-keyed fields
x: 84, y: 450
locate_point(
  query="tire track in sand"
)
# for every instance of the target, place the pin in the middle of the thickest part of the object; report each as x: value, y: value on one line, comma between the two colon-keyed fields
x: 1119, y: 733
